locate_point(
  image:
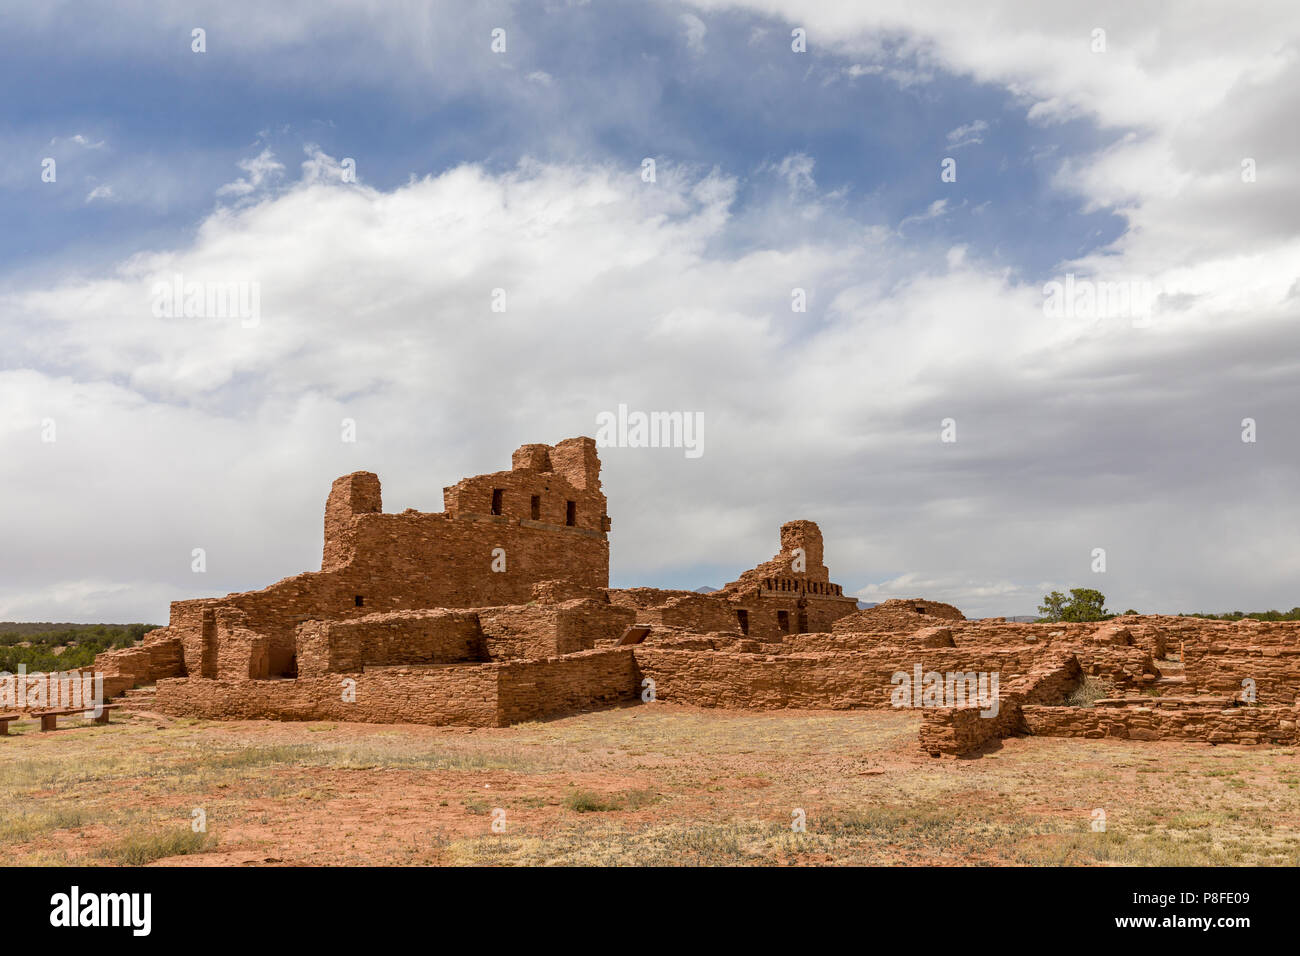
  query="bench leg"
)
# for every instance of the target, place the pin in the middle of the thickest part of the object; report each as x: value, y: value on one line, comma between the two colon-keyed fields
x: 102, y: 718
x: 4, y: 728
x: 49, y: 722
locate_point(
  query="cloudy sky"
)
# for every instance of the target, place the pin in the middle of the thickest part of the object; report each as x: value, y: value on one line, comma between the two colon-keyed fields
x: 923, y: 172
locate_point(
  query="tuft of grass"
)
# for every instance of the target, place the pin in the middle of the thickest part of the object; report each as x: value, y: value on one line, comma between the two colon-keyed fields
x: 587, y: 801
x: 139, y: 849
x: 1090, y: 690
x: 28, y: 825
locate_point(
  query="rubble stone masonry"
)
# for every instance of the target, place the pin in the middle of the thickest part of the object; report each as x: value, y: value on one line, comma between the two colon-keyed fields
x: 498, y: 610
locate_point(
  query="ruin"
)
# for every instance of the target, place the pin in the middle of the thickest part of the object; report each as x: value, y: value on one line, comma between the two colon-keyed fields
x: 498, y: 610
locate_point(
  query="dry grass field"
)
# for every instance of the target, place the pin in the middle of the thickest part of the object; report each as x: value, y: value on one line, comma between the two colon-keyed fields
x: 658, y: 784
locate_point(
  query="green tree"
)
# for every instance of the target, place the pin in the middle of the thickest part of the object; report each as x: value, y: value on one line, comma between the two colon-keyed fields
x: 1053, y: 606
x: 1085, y: 605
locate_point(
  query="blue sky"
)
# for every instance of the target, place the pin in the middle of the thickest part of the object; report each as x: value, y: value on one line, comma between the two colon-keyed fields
x: 188, y: 119
x: 776, y: 170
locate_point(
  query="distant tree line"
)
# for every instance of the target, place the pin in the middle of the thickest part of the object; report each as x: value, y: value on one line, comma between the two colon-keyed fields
x: 1085, y: 604
x: 1291, y: 615
x: 79, y: 642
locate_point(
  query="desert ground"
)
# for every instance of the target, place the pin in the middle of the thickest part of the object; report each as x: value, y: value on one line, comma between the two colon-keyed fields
x: 657, y: 784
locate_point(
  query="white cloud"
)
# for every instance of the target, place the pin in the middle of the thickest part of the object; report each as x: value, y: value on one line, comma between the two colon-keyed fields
x: 695, y: 31
x: 261, y: 170
x: 969, y: 134
x: 375, y: 306
x: 1072, y: 435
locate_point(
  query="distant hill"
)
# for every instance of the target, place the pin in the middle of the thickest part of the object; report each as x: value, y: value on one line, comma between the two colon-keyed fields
x: 863, y: 605
x: 705, y: 590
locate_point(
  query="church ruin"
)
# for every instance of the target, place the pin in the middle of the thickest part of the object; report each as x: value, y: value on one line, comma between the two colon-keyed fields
x: 498, y: 609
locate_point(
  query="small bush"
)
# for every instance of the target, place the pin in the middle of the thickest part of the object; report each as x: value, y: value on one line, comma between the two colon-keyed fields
x: 585, y: 801
x: 137, y: 850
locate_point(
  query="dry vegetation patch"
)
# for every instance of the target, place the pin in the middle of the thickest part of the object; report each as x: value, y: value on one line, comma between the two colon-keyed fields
x: 659, y: 784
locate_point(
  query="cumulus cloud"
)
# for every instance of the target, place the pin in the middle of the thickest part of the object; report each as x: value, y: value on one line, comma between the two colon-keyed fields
x: 1073, y: 433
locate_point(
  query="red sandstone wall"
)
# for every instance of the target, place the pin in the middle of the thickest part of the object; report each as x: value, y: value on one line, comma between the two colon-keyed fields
x: 530, y: 690
x: 814, y: 681
x: 465, y: 696
x: 401, y: 637
x: 485, y: 695
x: 1242, y: 725
x: 532, y: 631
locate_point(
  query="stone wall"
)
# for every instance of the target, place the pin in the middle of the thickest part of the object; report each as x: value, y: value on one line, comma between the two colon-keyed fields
x: 1217, y: 662
x: 825, y: 680
x: 1232, y: 725
x: 531, y: 631
x: 465, y: 557
x: 958, y: 731
x: 475, y: 695
x: 531, y: 690
x: 401, y: 637
x: 464, y: 696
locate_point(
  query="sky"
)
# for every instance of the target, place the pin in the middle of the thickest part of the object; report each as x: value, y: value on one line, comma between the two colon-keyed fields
x: 444, y: 240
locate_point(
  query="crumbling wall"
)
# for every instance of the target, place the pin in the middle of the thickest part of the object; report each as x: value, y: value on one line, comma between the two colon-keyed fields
x: 473, y: 695
x: 530, y: 690
x: 400, y: 637
x: 899, y: 615
x: 533, y: 631
x: 1218, y: 660
x: 1218, y: 725
x: 958, y: 731
x: 829, y: 681
x: 463, y: 696
x: 466, y: 557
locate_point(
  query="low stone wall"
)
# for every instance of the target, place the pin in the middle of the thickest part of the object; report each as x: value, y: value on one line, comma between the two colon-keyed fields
x: 832, y: 681
x: 474, y: 695
x: 539, y: 631
x: 128, y: 667
x: 399, y: 637
x: 465, y: 696
x: 1233, y: 725
x: 1214, y: 668
x: 530, y: 690
x: 957, y: 731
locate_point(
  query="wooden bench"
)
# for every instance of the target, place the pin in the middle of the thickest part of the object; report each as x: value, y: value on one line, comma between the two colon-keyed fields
x: 50, y: 718
x: 633, y: 634
x: 4, y: 722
